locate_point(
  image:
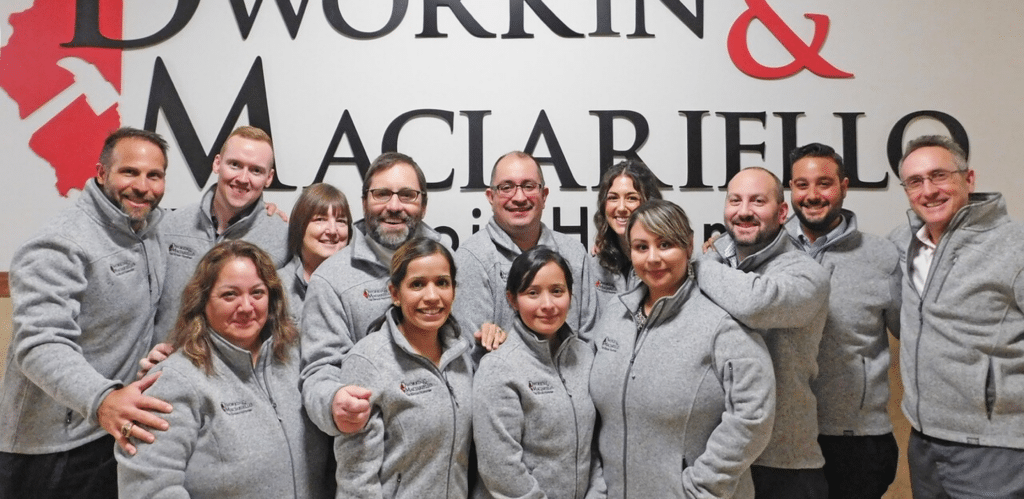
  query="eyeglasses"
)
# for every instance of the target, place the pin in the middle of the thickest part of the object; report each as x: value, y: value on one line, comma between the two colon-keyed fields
x: 508, y: 189
x: 937, y: 177
x: 383, y: 195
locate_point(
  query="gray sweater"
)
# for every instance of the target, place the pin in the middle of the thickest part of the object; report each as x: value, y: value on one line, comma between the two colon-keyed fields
x: 84, y: 292
x: 346, y: 293
x: 609, y: 284
x: 189, y: 232
x: 484, y: 260
x: 293, y: 280
x: 685, y: 405
x: 783, y: 294
x: 416, y: 443
x: 238, y: 433
x: 962, y: 348
x: 533, y: 420
x: 852, y: 386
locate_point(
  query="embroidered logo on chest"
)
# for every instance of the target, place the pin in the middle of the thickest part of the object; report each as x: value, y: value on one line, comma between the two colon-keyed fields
x: 605, y: 286
x: 609, y: 345
x: 541, y: 387
x: 122, y: 268
x: 376, y: 294
x: 416, y: 387
x: 234, y: 408
x: 181, y: 251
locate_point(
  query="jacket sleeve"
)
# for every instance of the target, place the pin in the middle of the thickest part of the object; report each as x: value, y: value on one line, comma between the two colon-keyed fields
x: 157, y: 470
x: 360, y: 456
x: 325, y: 341
x: 48, y: 278
x: 789, y: 294
x: 892, y: 312
x: 474, y: 298
x: 745, y: 368
x: 497, y: 432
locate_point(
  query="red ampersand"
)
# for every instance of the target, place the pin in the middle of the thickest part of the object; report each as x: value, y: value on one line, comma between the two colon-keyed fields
x: 804, y: 55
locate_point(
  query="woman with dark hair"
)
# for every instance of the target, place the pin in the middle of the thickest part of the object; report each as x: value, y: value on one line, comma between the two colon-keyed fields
x: 624, y: 187
x: 238, y: 428
x: 533, y: 420
x: 319, y: 227
x: 416, y: 364
x: 685, y: 394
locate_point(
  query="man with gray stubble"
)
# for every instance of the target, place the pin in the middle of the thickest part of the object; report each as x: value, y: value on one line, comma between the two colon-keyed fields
x: 757, y: 275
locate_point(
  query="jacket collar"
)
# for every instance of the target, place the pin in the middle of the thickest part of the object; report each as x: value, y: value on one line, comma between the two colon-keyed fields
x: 453, y: 344
x: 104, y: 211
x: 795, y: 231
x: 781, y: 244
x: 362, y: 251
x: 984, y: 210
x: 504, y: 242
x: 665, y: 308
x: 243, y: 221
x: 541, y: 348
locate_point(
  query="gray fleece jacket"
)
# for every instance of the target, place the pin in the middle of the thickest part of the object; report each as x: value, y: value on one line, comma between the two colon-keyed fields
x: 84, y: 292
x: 293, y: 280
x: 189, y: 232
x: 783, y: 294
x: 609, y: 284
x: 685, y: 405
x: 346, y: 293
x: 416, y: 443
x: 484, y: 260
x: 962, y: 347
x: 852, y: 386
x: 238, y: 433
x: 533, y: 420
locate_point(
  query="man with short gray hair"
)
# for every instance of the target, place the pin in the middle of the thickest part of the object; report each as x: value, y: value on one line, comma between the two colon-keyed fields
x: 962, y: 339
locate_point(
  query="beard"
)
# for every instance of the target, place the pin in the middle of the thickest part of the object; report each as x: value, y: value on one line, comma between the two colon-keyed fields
x: 760, y: 239
x: 821, y: 225
x: 392, y: 239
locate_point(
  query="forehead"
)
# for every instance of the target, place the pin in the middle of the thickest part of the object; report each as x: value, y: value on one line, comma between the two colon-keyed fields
x: 134, y: 150
x: 432, y: 264
x: 811, y: 167
x: 752, y: 183
x: 238, y: 268
x: 926, y: 159
x: 622, y: 183
x: 515, y: 169
x: 255, y: 149
x: 397, y: 176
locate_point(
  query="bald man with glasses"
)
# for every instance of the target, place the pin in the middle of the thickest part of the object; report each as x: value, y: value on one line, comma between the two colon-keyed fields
x: 517, y: 195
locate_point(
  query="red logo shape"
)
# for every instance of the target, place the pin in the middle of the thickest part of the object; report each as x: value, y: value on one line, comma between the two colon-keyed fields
x: 70, y: 94
x: 804, y: 55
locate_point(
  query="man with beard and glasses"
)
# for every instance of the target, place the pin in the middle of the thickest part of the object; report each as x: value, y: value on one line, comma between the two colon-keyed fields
x: 852, y: 386
x: 757, y: 275
x: 350, y: 289
x: 85, y: 291
x: 516, y: 195
x: 232, y: 208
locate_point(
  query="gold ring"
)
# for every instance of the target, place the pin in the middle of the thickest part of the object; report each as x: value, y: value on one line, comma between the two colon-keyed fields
x: 126, y: 430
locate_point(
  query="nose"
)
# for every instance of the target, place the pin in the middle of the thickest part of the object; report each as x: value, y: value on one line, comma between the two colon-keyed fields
x: 518, y: 195
x: 547, y: 302
x: 744, y: 209
x: 246, y: 304
x: 653, y: 255
x: 243, y: 175
x: 620, y: 206
x: 394, y: 204
x: 331, y: 227
x: 928, y: 187
x: 430, y: 293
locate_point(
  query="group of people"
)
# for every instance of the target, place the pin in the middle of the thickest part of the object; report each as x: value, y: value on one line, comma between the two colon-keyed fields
x: 324, y: 357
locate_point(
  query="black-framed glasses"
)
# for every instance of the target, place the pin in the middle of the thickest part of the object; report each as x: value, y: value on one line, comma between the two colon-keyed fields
x: 936, y: 177
x: 383, y: 195
x: 508, y: 189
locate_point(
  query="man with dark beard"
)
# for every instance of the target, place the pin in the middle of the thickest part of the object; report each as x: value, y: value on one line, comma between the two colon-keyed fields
x: 85, y: 292
x: 852, y: 386
x: 350, y: 289
x: 757, y: 275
